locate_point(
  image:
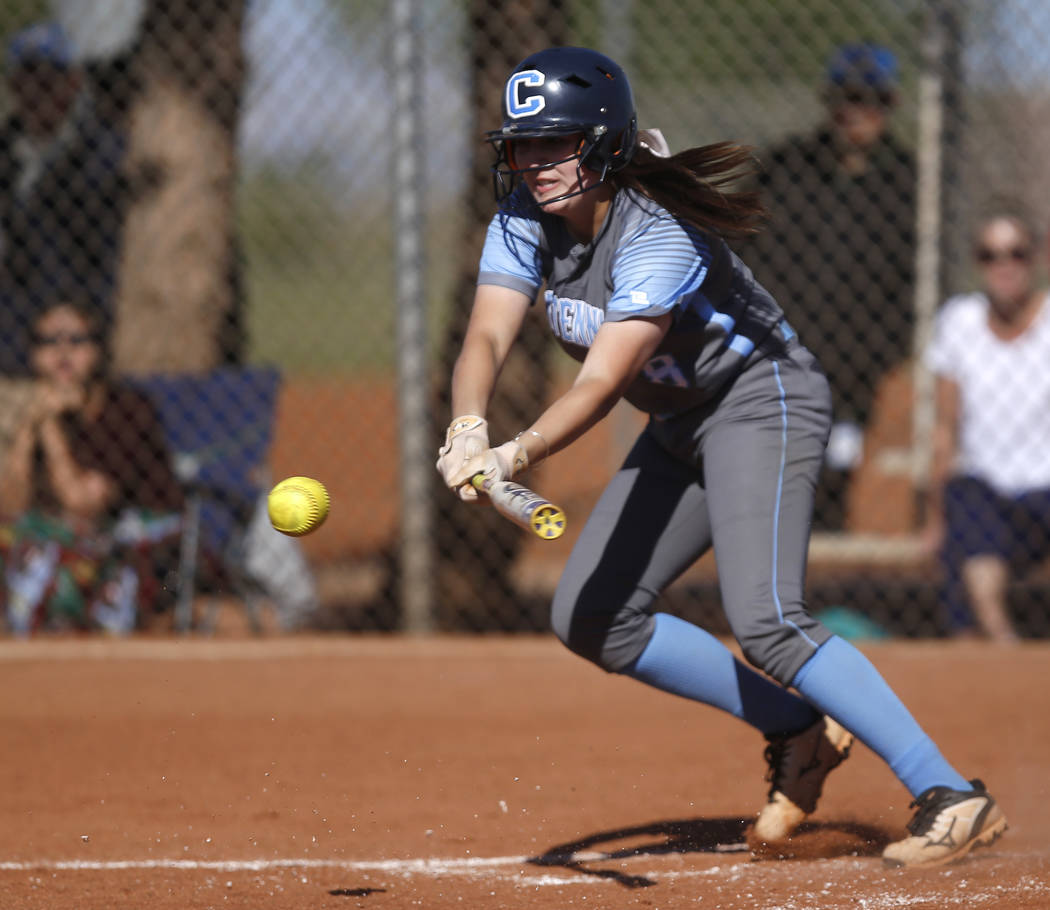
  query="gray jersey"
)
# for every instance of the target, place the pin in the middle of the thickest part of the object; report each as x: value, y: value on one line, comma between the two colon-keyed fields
x: 643, y: 262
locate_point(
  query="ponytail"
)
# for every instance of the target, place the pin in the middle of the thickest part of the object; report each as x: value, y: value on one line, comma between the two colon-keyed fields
x: 690, y: 186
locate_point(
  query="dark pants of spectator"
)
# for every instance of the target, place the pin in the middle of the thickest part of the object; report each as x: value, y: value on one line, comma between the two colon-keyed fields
x: 982, y: 522
x: 829, y: 504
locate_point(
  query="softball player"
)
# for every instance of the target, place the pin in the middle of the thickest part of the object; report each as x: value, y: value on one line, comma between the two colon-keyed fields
x: 644, y: 292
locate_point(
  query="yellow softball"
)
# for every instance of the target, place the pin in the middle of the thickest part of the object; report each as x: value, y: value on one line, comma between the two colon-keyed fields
x: 298, y: 505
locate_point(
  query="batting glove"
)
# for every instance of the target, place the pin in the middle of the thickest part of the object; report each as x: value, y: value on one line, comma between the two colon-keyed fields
x: 500, y: 463
x: 465, y: 438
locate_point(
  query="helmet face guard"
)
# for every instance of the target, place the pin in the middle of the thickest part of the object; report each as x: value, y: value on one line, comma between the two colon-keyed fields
x: 506, y: 174
x: 566, y: 91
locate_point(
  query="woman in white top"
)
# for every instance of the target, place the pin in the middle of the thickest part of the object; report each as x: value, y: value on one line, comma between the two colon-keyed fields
x: 989, y: 509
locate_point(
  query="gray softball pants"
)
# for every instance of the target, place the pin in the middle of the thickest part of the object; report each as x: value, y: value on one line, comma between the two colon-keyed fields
x: 737, y: 474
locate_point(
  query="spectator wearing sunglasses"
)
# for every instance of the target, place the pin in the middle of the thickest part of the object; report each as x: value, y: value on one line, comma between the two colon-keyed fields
x: 837, y: 251
x: 89, y: 499
x: 989, y: 504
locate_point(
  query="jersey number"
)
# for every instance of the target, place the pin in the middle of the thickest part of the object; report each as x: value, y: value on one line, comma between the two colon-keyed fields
x: 662, y: 370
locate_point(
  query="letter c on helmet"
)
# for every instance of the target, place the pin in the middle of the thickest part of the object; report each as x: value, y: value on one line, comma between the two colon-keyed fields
x: 531, y: 104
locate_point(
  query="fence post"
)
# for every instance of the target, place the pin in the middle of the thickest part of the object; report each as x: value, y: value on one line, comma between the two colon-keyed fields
x: 416, y: 546
x: 927, y: 232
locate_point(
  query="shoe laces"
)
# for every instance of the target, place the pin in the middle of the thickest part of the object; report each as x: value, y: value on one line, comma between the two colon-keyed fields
x: 930, y: 803
x: 777, y: 755
x: 774, y: 755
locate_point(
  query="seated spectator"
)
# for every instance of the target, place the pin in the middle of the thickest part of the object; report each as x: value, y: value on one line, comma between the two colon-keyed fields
x: 62, y: 191
x: 989, y: 507
x: 90, y: 500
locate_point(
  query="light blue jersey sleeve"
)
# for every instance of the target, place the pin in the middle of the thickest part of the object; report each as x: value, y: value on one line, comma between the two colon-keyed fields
x: 510, y: 257
x: 656, y: 267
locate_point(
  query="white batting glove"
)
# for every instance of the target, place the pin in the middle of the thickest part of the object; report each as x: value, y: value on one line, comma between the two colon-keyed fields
x: 465, y: 438
x: 500, y: 463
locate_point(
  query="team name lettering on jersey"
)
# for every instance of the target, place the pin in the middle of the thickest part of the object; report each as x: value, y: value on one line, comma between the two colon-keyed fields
x: 574, y: 321
x: 530, y: 104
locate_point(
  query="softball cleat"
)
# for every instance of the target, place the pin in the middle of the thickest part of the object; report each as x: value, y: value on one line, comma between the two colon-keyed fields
x: 947, y: 825
x: 799, y: 763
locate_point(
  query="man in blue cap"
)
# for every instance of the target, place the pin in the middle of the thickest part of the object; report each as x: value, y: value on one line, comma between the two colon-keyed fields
x: 838, y: 249
x: 61, y: 189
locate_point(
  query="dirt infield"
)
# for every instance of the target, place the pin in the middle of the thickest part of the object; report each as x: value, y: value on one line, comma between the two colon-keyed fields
x: 494, y: 773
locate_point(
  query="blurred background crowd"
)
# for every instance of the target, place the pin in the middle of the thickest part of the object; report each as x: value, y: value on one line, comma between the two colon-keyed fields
x: 238, y: 240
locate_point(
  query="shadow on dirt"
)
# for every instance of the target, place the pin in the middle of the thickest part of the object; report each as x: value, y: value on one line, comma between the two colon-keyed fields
x: 355, y: 892
x: 813, y: 840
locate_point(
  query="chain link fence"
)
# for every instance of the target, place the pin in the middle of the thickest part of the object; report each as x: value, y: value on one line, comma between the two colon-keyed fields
x: 260, y: 220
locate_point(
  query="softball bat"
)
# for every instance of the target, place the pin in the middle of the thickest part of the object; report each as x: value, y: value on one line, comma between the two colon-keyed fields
x: 524, y: 507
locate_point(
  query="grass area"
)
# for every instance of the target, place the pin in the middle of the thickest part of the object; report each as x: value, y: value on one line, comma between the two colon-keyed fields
x: 320, y: 315
x: 320, y: 277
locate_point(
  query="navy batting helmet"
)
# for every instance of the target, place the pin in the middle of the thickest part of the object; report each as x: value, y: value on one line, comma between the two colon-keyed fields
x: 561, y: 91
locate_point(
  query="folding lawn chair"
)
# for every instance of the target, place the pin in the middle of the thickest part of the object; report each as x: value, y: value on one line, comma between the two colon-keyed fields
x: 219, y: 426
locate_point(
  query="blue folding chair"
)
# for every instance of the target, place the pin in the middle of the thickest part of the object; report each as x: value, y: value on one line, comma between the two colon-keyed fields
x: 219, y: 426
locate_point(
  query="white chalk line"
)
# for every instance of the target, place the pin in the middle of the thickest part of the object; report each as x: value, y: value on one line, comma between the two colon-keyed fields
x: 894, y: 897
x: 403, y: 868
x: 421, y: 866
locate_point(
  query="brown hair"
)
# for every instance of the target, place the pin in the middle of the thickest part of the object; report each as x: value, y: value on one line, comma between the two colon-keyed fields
x: 92, y: 319
x: 85, y: 311
x: 694, y: 186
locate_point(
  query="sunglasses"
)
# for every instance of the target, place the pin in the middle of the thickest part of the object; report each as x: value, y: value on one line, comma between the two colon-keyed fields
x: 862, y: 97
x: 874, y: 99
x: 986, y: 255
x: 70, y: 338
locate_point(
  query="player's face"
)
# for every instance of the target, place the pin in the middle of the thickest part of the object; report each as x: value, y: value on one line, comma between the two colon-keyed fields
x: 1006, y: 259
x: 64, y: 350
x: 549, y: 169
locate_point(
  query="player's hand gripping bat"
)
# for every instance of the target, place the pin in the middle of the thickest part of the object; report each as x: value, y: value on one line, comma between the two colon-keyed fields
x: 524, y: 507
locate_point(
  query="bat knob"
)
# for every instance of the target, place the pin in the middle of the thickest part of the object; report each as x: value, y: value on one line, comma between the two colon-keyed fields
x: 548, y: 522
